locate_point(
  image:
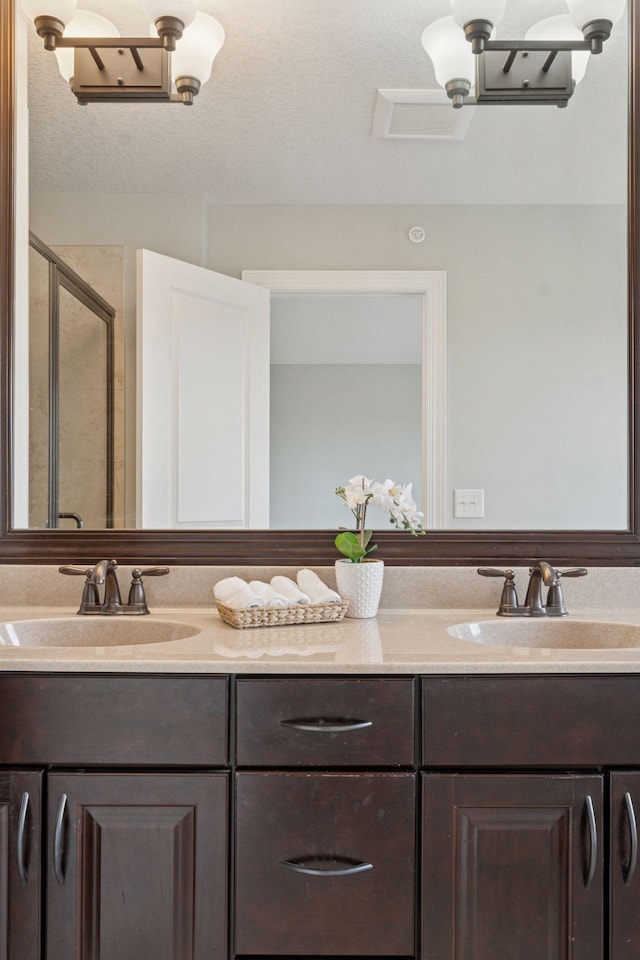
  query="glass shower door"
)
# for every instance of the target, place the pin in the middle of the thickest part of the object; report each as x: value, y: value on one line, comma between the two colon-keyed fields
x: 71, y: 398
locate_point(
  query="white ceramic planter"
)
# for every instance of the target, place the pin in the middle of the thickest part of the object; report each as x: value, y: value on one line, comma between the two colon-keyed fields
x: 361, y: 585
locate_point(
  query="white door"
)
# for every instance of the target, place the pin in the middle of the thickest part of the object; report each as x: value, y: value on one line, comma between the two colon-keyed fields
x: 203, y: 398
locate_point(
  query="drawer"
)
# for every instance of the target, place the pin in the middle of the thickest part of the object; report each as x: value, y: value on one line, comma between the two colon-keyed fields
x: 85, y: 720
x: 531, y: 721
x: 325, y: 864
x: 325, y: 722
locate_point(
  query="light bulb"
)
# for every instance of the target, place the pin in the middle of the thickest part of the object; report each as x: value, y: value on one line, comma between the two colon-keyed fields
x: 450, y: 52
x: 465, y: 11
x: 195, y: 53
x: 453, y: 60
x: 561, y: 27
x: 184, y: 10
x: 170, y: 17
x: 84, y: 24
x: 477, y: 18
x: 62, y: 10
x: 588, y: 11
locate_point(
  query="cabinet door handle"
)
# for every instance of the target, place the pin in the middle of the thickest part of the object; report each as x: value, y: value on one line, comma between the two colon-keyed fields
x: 327, y: 724
x: 319, y: 866
x: 22, y: 834
x: 593, y: 841
x: 633, y: 830
x: 58, y: 841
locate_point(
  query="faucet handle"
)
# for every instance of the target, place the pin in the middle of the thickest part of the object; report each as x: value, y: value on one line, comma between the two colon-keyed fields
x: 555, y: 597
x: 573, y: 572
x: 137, y: 598
x: 149, y: 572
x: 509, y: 598
x: 90, y: 602
x: 73, y: 571
x: 494, y: 572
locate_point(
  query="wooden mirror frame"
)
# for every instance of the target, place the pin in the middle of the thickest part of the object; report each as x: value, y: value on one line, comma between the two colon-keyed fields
x: 295, y: 548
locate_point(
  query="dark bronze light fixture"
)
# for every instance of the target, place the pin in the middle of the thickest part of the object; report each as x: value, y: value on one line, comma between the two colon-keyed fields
x: 101, y: 66
x: 543, y: 68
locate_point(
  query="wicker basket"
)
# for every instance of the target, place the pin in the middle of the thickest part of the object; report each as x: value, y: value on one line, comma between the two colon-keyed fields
x: 281, y: 616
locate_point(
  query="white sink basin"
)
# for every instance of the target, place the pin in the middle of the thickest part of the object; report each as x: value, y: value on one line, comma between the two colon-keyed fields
x: 92, y: 632
x: 564, y: 634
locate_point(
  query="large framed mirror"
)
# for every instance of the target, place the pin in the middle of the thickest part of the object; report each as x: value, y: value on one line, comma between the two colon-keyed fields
x: 541, y: 422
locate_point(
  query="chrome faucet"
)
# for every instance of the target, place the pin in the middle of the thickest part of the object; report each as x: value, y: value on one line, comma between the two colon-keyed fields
x: 541, y: 573
x: 104, y: 572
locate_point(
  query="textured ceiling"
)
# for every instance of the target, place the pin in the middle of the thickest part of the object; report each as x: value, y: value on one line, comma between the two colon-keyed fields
x: 286, y: 117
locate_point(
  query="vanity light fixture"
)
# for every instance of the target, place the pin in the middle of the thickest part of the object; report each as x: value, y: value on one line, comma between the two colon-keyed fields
x: 543, y: 68
x: 169, y: 66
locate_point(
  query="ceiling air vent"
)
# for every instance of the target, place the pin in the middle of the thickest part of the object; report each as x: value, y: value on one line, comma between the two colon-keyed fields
x: 418, y: 114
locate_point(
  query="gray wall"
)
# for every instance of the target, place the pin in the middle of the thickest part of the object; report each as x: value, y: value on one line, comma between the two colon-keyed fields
x: 537, y: 328
x: 320, y: 438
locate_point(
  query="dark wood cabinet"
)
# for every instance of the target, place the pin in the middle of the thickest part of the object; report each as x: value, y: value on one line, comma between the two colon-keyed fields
x: 513, y: 867
x: 624, y: 866
x: 120, y: 721
x: 440, y: 818
x: 20, y: 874
x: 115, y: 865
x: 137, y: 866
x: 532, y: 721
x: 325, y: 864
x: 306, y: 722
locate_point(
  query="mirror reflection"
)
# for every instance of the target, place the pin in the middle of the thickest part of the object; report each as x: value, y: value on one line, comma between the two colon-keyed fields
x: 276, y: 167
x: 343, y: 392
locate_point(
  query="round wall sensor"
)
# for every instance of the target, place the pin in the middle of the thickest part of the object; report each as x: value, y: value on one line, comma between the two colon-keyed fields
x: 417, y: 234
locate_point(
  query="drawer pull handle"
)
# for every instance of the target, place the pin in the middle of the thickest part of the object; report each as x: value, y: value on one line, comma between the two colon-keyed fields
x: 22, y: 831
x: 58, y: 841
x: 320, y: 866
x: 593, y: 841
x: 633, y: 830
x: 327, y: 724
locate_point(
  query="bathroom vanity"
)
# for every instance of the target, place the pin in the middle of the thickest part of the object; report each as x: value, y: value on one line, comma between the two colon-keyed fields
x: 152, y: 807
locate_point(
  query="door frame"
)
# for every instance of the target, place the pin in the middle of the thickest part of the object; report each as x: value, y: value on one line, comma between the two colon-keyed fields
x: 431, y: 285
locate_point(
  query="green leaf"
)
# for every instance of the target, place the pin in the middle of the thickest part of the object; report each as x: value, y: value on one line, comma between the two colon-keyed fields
x: 348, y: 536
x: 349, y: 545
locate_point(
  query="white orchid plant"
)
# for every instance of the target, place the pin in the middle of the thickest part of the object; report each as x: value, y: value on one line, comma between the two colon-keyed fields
x: 358, y: 495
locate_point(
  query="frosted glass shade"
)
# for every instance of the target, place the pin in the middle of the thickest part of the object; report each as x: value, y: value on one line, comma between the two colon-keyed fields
x: 84, y: 24
x: 184, y: 10
x: 198, y: 48
x: 62, y: 10
x: 466, y: 10
x: 584, y: 11
x: 450, y: 51
x: 562, y: 28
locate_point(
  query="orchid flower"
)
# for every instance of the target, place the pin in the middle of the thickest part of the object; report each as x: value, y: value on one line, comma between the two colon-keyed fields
x: 395, y: 498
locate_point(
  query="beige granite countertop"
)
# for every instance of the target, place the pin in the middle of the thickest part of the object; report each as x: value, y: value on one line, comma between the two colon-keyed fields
x: 397, y: 641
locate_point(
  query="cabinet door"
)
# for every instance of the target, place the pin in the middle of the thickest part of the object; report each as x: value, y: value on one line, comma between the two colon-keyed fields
x: 137, y: 866
x: 325, y: 864
x: 20, y: 830
x: 624, y: 867
x: 512, y: 867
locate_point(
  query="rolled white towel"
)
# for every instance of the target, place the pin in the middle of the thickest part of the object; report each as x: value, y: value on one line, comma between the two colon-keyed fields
x: 236, y: 593
x: 268, y: 595
x: 318, y: 592
x: 287, y: 588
